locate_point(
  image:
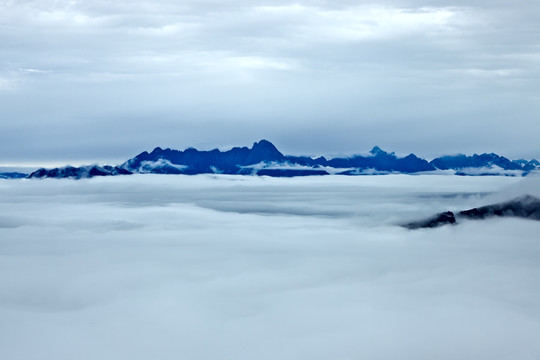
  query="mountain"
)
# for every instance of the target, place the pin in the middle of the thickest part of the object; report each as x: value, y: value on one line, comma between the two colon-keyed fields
x: 12, y: 175
x: 476, y: 161
x: 528, y: 165
x: 485, y: 164
x: 381, y: 160
x: 192, y: 161
x: 526, y: 207
x: 267, y: 156
x: 263, y: 158
x: 80, y: 172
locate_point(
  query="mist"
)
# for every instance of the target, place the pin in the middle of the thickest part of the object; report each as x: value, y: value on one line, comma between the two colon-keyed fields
x: 232, y: 267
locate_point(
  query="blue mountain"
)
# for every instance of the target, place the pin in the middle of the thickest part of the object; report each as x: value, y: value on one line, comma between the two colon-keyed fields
x: 12, y: 175
x: 80, y: 172
x: 381, y: 160
x: 476, y: 161
x: 193, y: 161
x: 528, y: 165
x: 263, y: 158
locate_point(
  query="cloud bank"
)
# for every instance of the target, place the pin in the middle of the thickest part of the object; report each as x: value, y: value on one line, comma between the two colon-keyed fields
x: 208, y: 267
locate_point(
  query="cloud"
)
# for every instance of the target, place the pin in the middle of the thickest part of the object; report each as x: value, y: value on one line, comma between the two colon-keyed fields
x: 335, y: 73
x: 139, y: 266
x: 5, y: 84
x: 33, y: 71
x: 362, y: 23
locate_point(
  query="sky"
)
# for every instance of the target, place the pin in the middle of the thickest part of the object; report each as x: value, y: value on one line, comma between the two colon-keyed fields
x: 233, y: 267
x: 100, y: 81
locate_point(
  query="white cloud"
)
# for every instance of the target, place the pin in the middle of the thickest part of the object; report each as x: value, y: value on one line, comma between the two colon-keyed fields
x: 255, y: 62
x: 33, y: 71
x: 163, y: 30
x: 4, y: 84
x: 149, y: 166
x: 161, y: 266
x: 371, y: 23
x: 489, y: 72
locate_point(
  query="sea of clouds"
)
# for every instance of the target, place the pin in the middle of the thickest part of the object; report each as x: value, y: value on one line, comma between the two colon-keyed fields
x: 241, y: 267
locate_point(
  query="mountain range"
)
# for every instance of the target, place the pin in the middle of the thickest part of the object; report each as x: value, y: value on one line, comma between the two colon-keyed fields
x: 263, y: 158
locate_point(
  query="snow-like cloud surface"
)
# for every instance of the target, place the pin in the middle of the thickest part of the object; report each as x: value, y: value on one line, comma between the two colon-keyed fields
x: 209, y: 267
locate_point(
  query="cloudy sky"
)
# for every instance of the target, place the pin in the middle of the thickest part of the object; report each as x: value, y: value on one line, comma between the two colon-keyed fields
x: 95, y: 80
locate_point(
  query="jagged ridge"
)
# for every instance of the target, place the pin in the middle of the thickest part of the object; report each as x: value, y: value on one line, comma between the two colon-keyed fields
x: 526, y: 206
x: 265, y: 159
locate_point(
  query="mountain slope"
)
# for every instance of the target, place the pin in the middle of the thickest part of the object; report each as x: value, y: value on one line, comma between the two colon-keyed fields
x: 526, y: 207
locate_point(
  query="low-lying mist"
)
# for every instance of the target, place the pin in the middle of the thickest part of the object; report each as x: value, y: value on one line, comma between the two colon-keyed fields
x: 232, y: 267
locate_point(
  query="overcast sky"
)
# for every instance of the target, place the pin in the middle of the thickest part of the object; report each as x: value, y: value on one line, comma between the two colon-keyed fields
x: 100, y: 81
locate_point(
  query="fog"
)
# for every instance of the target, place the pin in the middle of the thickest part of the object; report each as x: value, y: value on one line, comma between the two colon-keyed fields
x: 232, y: 267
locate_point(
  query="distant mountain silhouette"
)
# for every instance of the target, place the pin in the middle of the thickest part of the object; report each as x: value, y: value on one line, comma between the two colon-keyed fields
x: 382, y: 161
x: 264, y: 159
x: 485, y: 160
x: 193, y: 161
x: 79, y: 172
x: 12, y: 175
x: 527, y: 207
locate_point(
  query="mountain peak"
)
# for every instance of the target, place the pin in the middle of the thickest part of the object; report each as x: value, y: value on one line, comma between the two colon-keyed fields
x: 264, y: 150
x: 378, y: 151
x: 263, y: 144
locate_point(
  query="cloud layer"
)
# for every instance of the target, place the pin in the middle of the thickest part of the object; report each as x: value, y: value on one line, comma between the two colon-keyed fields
x: 209, y: 267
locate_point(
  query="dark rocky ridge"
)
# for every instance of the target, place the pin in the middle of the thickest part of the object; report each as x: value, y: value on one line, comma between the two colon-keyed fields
x: 526, y: 207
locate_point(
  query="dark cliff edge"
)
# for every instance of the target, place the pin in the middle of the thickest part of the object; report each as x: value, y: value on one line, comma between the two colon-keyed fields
x: 526, y: 207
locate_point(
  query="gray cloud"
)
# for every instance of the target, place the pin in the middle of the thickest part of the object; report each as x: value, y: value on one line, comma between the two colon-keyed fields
x: 93, y: 81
